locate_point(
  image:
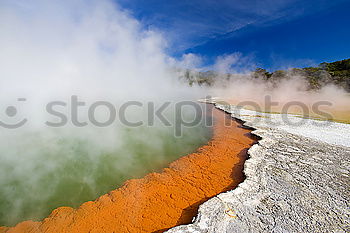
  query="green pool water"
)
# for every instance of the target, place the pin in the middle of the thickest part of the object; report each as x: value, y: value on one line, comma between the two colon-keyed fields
x: 43, y: 170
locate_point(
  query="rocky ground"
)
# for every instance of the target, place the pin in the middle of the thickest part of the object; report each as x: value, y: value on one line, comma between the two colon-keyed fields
x: 297, y: 180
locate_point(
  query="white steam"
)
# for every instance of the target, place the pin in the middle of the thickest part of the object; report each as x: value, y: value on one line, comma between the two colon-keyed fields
x: 243, y: 85
x: 51, y: 50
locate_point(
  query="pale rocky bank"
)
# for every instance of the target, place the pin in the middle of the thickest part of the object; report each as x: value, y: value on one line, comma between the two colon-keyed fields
x: 297, y: 180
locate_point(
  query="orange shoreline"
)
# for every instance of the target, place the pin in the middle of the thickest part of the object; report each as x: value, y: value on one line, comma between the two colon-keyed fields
x: 163, y: 200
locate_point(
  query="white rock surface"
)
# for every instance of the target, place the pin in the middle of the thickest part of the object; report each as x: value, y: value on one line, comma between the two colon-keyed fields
x: 297, y: 180
x: 326, y: 131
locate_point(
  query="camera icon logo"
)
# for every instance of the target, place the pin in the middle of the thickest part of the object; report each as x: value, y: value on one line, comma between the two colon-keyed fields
x: 11, y: 111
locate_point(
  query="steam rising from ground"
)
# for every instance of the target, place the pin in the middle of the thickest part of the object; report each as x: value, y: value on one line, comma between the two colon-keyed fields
x: 51, y: 50
x: 235, y: 83
x: 292, y: 88
x: 92, y: 49
x: 330, y: 102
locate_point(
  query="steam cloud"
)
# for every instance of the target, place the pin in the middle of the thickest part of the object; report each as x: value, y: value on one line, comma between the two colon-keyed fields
x: 243, y: 86
x: 51, y: 50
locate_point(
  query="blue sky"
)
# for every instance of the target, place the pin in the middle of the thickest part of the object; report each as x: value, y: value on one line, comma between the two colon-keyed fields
x: 275, y: 34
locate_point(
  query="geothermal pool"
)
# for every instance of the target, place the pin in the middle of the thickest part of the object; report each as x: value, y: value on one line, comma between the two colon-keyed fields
x: 40, y: 171
x: 174, y: 193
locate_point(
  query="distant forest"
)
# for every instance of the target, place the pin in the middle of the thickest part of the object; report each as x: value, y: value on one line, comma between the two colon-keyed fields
x: 337, y: 73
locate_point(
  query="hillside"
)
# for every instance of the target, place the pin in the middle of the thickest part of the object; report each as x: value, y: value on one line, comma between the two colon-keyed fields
x: 337, y: 73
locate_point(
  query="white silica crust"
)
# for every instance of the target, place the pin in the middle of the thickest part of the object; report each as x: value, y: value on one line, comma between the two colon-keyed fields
x: 326, y: 131
x: 296, y: 181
